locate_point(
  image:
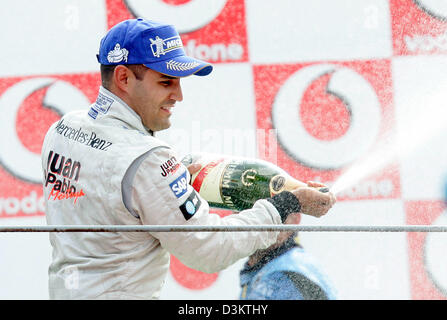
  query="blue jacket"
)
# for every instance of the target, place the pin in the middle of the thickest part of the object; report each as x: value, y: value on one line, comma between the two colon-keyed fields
x: 286, y: 273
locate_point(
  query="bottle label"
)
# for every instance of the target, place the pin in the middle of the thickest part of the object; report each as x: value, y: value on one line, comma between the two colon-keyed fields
x: 277, y: 184
x: 244, y: 182
x: 248, y: 177
x: 230, y: 183
x: 236, y: 184
x: 208, y: 180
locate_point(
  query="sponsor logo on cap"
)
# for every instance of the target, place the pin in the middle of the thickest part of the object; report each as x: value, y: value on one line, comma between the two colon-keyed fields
x: 117, y: 54
x: 179, y: 66
x: 161, y: 46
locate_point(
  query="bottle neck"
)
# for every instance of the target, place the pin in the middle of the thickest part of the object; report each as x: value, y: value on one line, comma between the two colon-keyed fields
x: 284, y: 182
x: 292, y: 183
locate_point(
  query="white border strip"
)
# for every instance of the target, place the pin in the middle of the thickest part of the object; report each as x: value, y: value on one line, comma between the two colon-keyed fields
x: 201, y: 228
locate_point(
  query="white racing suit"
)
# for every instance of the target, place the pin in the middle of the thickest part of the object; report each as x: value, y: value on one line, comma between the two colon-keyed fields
x: 103, y: 167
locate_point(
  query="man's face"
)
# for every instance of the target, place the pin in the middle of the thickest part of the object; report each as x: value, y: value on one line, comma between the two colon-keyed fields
x: 153, y: 96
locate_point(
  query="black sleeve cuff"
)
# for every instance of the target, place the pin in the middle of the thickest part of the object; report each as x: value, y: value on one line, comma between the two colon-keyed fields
x: 286, y: 203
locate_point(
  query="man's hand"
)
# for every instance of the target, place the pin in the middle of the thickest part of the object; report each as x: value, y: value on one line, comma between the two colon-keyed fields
x: 314, y: 202
x: 194, y: 168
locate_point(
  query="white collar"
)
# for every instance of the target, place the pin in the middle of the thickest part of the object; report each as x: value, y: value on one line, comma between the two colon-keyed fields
x: 110, y: 107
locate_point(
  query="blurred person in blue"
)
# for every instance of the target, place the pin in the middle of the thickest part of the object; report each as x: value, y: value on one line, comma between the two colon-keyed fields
x: 285, y: 271
x: 104, y: 166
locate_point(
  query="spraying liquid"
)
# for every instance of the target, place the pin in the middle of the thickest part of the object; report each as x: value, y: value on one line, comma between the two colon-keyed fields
x: 423, y: 118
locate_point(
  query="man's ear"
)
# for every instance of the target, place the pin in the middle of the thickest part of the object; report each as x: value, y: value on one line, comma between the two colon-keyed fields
x: 121, y: 76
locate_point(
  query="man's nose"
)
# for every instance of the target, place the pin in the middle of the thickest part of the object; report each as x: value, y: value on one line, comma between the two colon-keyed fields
x: 177, y: 94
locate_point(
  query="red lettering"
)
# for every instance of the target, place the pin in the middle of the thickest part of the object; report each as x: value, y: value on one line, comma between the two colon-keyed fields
x: 57, y: 195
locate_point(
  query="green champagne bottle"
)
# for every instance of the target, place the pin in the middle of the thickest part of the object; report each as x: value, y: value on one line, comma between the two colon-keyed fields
x: 236, y: 183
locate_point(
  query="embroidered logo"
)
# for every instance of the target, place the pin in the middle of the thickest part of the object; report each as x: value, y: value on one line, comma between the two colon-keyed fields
x: 59, y: 195
x: 180, y: 185
x: 170, y: 166
x: 77, y: 134
x: 191, y: 205
x: 102, y: 104
x: 179, y: 66
x: 161, y: 46
x: 63, y: 174
x: 117, y: 54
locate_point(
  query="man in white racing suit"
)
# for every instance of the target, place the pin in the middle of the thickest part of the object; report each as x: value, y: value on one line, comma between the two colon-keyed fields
x: 103, y: 166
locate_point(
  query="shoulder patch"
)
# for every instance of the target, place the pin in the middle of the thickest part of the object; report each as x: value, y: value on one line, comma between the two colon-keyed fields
x: 191, y: 205
x: 170, y: 166
x: 180, y: 185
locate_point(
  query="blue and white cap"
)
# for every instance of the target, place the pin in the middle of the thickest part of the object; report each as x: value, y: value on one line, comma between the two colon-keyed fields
x: 156, y: 45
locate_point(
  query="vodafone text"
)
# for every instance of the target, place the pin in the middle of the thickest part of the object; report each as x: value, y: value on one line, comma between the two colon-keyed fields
x: 29, y: 204
x: 426, y: 43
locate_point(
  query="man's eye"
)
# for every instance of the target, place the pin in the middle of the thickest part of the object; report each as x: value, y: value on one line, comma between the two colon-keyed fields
x: 166, y: 83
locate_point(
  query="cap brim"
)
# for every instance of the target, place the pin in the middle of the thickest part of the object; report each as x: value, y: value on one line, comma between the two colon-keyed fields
x: 181, y: 66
